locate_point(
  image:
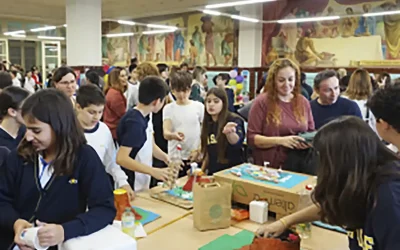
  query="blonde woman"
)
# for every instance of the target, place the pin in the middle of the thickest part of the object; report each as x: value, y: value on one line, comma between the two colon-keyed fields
x: 359, y: 90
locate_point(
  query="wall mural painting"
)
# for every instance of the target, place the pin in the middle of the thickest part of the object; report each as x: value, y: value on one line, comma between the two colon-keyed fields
x: 204, y: 40
x: 339, y: 42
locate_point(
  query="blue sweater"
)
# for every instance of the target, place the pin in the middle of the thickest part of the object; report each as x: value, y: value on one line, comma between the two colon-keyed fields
x: 323, y: 114
x: 6, y: 140
x: 381, y: 230
x: 63, y: 200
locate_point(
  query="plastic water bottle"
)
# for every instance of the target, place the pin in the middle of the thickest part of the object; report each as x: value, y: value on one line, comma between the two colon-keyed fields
x: 304, y: 229
x: 128, y: 222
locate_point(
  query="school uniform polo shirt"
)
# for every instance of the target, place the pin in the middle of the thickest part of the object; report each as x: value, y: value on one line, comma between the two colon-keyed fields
x: 136, y: 131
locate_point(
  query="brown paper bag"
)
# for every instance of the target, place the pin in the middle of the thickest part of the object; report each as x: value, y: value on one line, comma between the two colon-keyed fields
x: 212, y: 206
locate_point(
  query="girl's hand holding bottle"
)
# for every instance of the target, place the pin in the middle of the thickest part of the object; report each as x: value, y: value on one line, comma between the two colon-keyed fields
x: 19, y: 226
x: 50, y: 234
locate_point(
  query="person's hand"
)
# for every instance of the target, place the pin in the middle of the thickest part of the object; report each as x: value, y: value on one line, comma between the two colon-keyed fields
x: 195, y: 156
x: 291, y: 142
x: 130, y: 191
x: 178, y: 136
x: 382, y: 83
x: 19, y: 226
x: 229, y: 128
x: 161, y: 174
x: 50, y: 234
x: 303, y: 145
x: 165, y: 159
x: 271, y: 230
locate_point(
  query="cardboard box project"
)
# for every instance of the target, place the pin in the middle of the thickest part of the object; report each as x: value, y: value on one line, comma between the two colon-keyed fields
x: 283, y: 197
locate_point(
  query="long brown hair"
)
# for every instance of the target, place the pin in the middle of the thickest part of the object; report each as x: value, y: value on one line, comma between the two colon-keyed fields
x: 53, y: 107
x: 360, y: 86
x: 114, y: 82
x: 223, y: 116
x: 348, y: 179
x: 274, y: 111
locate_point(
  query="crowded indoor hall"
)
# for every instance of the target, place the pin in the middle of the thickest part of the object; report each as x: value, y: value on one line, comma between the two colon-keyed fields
x: 200, y: 125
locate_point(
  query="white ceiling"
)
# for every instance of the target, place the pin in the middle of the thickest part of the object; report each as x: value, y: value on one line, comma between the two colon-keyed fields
x: 53, y: 11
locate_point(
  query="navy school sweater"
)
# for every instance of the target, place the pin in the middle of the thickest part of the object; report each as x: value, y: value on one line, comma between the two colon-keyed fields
x: 63, y: 200
x: 6, y: 140
x: 234, y: 153
x: 381, y: 230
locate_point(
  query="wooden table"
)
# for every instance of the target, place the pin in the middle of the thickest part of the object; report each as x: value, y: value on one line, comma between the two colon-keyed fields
x: 175, y: 230
x: 321, y: 239
x: 181, y: 235
x: 168, y: 213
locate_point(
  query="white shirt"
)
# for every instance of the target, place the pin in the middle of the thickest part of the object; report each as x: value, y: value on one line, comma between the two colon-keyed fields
x: 100, y: 139
x: 16, y: 82
x: 45, y: 172
x: 365, y: 112
x: 132, y: 96
x: 145, y: 156
x: 393, y: 148
x: 186, y: 119
x: 29, y: 85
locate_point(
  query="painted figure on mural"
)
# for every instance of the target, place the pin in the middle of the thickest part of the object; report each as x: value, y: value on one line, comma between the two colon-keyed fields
x: 307, y: 25
x: 366, y: 25
x: 160, y: 48
x: 169, y: 46
x: 330, y: 27
x: 150, y: 48
x: 143, y: 45
x: 303, y: 55
x: 318, y: 27
x: 207, y: 28
x: 289, y: 33
x: 197, y: 38
x: 349, y: 24
x: 271, y: 56
x: 193, y: 53
x: 226, y: 50
x: 392, y: 30
x: 179, y: 44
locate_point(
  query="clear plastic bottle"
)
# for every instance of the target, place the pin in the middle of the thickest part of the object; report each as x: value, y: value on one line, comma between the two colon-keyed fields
x: 304, y: 229
x: 128, y: 222
x: 174, y: 166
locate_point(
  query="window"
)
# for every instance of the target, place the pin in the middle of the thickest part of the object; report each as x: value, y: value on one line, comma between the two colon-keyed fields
x: 23, y: 53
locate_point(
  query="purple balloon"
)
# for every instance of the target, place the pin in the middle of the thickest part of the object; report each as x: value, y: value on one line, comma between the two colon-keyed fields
x: 239, y: 79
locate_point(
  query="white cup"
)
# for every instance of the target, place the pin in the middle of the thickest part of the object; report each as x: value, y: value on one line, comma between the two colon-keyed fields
x: 30, y: 238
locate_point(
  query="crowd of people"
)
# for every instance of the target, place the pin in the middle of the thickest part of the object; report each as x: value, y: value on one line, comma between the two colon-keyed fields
x: 65, y: 149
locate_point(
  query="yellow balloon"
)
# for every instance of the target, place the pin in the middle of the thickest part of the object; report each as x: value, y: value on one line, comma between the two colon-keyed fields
x: 239, y: 88
x: 232, y: 82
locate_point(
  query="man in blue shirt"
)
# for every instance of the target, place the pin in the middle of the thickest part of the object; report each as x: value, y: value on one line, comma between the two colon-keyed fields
x: 329, y: 105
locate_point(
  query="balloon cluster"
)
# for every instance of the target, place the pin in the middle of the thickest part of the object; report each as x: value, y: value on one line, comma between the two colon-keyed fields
x: 236, y: 82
